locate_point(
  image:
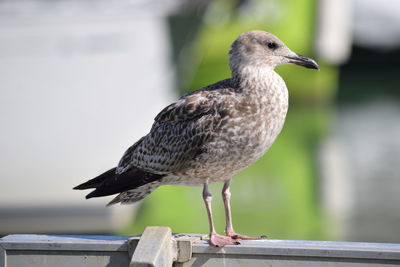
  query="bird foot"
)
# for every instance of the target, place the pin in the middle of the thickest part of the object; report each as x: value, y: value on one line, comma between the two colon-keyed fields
x: 235, y: 236
x: 221, y: 241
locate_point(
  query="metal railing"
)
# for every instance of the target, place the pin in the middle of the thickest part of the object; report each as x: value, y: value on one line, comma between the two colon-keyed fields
x: 158, y: 247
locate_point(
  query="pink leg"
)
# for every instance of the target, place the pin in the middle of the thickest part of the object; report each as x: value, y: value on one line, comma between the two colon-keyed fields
x: 215, y: 239
x: 226, y: 196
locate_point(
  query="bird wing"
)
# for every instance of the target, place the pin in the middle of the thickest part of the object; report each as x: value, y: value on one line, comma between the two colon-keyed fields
x: 177, y: 135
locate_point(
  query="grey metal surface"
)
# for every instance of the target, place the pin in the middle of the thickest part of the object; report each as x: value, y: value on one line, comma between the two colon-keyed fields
x: 296, y: 253
x: 65, y: 242
x: 64, y: 250
x: 301, y: 248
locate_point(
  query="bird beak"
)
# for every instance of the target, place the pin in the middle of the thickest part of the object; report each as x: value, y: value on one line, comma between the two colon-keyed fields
x: 303, y: 61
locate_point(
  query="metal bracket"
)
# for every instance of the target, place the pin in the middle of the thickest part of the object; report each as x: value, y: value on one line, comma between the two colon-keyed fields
x: 158, y: 247
x: 184, y: 244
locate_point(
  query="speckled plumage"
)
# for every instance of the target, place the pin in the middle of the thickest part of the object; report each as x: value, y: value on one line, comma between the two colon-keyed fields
x: 212, y: 133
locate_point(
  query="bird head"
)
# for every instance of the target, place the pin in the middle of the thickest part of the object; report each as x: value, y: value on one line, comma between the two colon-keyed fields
x: 263, y: 49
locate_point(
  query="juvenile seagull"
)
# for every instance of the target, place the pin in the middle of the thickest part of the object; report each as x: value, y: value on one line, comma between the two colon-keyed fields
x: 212, y: 133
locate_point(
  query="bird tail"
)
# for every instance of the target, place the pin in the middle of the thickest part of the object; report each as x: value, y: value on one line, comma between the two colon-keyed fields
x: 134, y: 195
x: 110, y: 183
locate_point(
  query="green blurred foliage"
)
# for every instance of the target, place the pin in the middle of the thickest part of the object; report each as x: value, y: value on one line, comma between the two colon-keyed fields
x: 278, y: 195
x: 295, y: 27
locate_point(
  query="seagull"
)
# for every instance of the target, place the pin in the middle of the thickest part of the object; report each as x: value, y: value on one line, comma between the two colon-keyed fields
x: 210, y: 134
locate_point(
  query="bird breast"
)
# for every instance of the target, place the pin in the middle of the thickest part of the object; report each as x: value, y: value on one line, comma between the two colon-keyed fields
x: 248, y: 126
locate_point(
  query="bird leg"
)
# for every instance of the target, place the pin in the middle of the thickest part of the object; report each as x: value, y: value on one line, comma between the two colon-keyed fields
x: 226, y: 196
x: 215, y: 239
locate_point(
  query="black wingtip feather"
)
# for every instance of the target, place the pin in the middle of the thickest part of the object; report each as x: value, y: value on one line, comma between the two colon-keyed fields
x: 110, y: 183
x: 100, y: 192
x: 97, y: 181
x: 90, y: 195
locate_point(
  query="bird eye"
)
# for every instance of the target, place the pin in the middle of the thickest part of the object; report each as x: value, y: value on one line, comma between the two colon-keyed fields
x: 272, y: 45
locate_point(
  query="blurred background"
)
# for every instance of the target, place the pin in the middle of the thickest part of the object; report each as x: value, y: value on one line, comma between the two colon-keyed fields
x: 81, y: 81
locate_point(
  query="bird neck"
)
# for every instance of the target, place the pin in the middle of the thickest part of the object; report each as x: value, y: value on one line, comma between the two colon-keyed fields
x: 254, y: 77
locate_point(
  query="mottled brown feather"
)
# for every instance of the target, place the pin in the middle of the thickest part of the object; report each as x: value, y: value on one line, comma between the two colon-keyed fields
x: 179, y: 131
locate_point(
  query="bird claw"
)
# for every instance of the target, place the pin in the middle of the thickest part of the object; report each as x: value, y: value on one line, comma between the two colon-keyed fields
x: 235, y: 236
x: 221, y: 241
